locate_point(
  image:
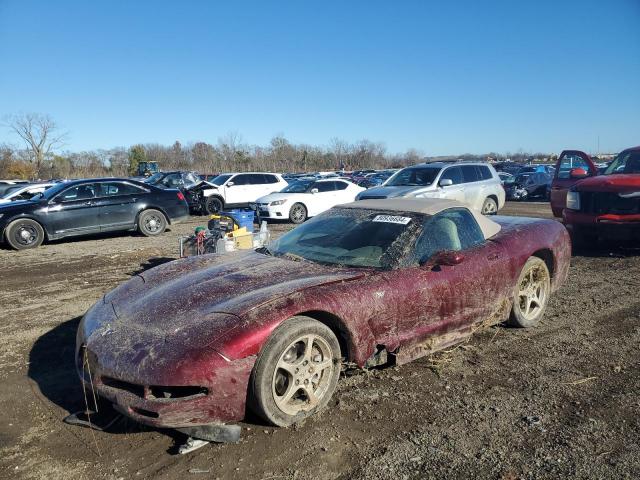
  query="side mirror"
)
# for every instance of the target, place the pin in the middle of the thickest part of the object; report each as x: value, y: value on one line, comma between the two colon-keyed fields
x: 314, y: 190
x: 578, y: 173
x: 445, y: 182
x: 230, y: 184
x: 447, y: 258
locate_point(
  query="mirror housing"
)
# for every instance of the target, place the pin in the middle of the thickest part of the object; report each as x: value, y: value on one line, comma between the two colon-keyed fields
x: 448, y: 258
x: 230, y: 184
x: 314, y: 190
x: 445, y: 182
x: 578, y: 173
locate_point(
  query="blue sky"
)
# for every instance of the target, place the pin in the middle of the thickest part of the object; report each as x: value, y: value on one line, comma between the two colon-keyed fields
x: 442, y: 77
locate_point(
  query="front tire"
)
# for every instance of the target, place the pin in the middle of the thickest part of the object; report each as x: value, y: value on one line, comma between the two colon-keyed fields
x: 296, y: 372
x: 489, y: 207
x: 24, y: 233
x: 298, y: 213
x: 151, y: 223
x: 531, y: 294
x: 213, y: 205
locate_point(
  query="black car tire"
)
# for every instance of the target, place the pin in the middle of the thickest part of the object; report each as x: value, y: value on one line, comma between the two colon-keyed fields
x: 24, y: 233
x: 267, y: 377
x: 213, y: 205
x: 534, y: 274
x: 298, y: 213
x: 490, y: 206
x: 152, y: 222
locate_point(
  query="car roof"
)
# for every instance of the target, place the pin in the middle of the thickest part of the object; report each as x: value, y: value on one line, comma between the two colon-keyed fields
x: 427, y: 206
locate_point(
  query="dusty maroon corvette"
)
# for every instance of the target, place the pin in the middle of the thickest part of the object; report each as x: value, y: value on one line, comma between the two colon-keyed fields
x: 198, y: 341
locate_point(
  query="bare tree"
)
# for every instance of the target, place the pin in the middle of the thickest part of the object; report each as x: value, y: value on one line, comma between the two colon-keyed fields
x: 41, y: 135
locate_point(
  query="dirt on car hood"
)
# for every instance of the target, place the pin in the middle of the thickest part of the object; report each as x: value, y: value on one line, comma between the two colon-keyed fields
x: 189, y: 290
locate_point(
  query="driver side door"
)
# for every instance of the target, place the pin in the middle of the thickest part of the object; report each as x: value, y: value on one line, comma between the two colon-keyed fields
x: 74, y: 211
x: 445, y: 300
x: 563, y: 180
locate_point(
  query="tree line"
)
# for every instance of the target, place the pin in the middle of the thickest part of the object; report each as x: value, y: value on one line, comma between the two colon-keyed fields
x: 41, y: 157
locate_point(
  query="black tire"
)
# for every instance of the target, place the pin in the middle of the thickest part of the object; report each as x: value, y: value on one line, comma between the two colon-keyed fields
x: 213, y: 205
x: 297, y: 374
x: 534, y: 273
x: 490, y: 206
x: 298, y: 213
x: 151, y: 223
x: 24, y: 233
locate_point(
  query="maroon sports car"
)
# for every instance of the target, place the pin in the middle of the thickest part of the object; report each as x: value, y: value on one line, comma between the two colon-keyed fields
x: 196, y: 341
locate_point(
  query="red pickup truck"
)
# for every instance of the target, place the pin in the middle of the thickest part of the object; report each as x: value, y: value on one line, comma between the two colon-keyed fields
x: 594, y: 206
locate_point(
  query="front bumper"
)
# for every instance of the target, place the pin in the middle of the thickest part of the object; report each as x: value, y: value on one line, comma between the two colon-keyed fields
x: 277, y: 212
x: 623, y: 226
x: 219, y: 402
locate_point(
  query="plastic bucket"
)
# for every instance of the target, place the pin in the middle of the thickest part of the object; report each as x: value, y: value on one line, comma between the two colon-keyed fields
x: 243, y: 217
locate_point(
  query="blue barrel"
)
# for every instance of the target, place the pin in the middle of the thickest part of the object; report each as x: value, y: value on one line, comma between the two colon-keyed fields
x: 243, y: 217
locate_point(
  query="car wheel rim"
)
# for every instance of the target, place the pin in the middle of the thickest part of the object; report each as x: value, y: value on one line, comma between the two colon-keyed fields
x: 152, y: 223
x: 214, y: 207
x: 26, y: 235
x: 489, y: 208
x: 297, y: 214
x: 532, y: 296
x: 303, y: 375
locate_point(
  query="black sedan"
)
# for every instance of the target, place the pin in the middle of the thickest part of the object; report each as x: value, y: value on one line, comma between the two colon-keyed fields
x: 89, y: 206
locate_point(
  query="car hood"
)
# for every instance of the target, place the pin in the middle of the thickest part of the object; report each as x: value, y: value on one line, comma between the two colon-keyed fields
x: 391, y: 192
x: 8, y: 205
x: 279, y: 196
x: 610, y: 183
x: 190, y: 290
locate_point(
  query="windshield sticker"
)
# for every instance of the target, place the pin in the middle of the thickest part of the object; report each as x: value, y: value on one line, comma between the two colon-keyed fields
x: 392, y: 219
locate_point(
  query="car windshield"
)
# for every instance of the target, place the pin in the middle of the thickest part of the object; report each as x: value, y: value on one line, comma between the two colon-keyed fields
x: 299, y: 186
x: 353, y: 237
x: 626, y: 162
x: 153, y: 179
x: 414, y: 177
x: 220, y: 179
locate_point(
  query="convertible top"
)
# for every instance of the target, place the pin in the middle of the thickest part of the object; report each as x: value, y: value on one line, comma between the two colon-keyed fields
x: 428, y: 206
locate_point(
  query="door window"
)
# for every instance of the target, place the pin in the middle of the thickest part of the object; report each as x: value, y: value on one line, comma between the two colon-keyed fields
x: 324, y: 186
x: 173, y: 180
x: 118, y: 188
x: 244, y: 179
x: 568, y: 163
x: 79, y: 192
x: 454, y: 174
x: 341, y: 185
x: 470, y: 173
x: 270, y: 178
x: 484, y: 173
x: 452, y: 229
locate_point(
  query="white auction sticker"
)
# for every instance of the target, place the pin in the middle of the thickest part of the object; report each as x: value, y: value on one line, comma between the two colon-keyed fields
x: 392, y: 219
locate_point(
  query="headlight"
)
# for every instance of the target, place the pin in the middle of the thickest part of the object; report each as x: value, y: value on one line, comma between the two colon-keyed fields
x: 277, y: 202
x: 573, y: 200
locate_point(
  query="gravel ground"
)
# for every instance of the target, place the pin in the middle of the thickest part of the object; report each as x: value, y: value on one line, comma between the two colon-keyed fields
x: 558, y: 401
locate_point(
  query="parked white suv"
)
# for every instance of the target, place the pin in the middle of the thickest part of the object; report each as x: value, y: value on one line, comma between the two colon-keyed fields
x: 476, y: 184
x: 235, y: 190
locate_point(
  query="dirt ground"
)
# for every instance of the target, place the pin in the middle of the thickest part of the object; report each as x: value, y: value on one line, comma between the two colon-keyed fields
x: 558, y: 401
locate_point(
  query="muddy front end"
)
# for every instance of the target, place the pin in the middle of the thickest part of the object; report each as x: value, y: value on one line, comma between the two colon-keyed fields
x: 164, y: 380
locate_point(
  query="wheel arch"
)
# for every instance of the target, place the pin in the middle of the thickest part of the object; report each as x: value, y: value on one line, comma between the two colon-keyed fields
x: 547, y: 256
x: 23, y: 216
x: 337, y: 326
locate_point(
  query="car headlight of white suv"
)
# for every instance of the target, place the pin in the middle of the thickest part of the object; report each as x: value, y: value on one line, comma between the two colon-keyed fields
x: 275, y: 203
x: 573, y: 200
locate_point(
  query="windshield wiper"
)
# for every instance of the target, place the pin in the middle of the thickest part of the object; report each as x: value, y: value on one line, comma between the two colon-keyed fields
x: 294, y: 257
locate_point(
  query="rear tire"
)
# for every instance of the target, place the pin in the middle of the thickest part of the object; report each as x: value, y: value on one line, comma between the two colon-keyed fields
x: 531, y: 294
x: 24, y: 233
x: 151, y: 223
x: 489, y: 207
x: 302, y: 355
x: 298, y: 213
x: 213, y: 205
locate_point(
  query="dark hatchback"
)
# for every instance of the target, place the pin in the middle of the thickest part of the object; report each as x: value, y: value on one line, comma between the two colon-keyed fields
x: 89, y: 206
